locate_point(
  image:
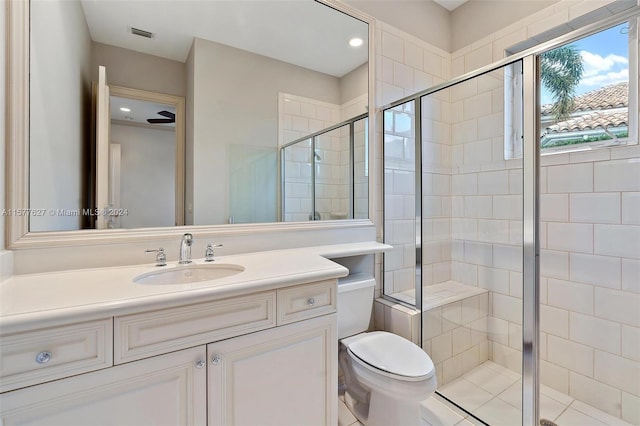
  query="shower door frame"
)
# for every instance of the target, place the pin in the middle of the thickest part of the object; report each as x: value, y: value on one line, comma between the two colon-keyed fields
x: 313, y: 138
x: 530, y: 219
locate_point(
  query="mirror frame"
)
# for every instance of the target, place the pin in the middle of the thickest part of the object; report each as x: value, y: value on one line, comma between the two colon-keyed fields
x: 17, y: 233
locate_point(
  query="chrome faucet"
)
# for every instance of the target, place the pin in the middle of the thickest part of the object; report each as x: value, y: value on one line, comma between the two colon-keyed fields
x: 208, y: 254
x: 185, y: 249
x: 161, y: 258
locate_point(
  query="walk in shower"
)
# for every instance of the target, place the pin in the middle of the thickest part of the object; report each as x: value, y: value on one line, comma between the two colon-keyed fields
x: 324, y: 175
x: 516, y: 237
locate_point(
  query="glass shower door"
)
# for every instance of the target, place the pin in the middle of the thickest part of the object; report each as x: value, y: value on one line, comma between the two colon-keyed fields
x: 401, y: 229
x: 453, y: 191
x: 472, y: 219
x: 297, y: 181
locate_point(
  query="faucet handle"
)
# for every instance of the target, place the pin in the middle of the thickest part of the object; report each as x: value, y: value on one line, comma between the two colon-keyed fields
x: 161, y: 258
x: 208, y: 254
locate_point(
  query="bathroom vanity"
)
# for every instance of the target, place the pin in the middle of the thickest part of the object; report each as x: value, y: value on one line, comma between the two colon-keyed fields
x: 93, y: 346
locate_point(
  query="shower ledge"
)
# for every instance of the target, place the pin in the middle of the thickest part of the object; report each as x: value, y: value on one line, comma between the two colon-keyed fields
x: 437, y: 295
x: 447, y: 292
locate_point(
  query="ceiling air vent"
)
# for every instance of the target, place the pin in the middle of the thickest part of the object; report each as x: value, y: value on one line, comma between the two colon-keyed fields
x: 141, y: 33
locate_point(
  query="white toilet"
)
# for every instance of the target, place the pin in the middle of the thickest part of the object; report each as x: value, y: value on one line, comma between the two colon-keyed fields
x: 386, y: 375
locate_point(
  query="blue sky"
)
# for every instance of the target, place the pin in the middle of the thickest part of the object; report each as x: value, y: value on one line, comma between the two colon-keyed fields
x: 606, y: 60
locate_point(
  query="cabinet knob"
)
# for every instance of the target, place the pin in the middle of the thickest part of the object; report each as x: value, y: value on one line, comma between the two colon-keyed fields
x: 43, y: 357
x: 215, y: 360
x: 201, y: 363
x: 311, y: 301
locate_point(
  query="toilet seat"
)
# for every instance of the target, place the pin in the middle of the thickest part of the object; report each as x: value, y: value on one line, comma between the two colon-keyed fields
x: 390, y: 355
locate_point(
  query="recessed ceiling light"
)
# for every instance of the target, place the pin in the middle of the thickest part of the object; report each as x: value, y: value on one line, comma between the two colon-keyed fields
x: 124, y: 109
x: 355, y: 42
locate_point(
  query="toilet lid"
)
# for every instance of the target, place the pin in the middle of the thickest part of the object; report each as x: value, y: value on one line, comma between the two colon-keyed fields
x: 393, y: 354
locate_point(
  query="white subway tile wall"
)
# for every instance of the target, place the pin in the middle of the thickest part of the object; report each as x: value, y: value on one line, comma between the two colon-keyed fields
x: 300, y: 116
x: 589, y: 229
x: 590, y: 212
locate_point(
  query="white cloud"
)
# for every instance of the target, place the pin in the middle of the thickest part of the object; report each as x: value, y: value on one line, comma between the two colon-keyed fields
x: 602, y: 80
x: 594, y: 64
x: 601, y: 71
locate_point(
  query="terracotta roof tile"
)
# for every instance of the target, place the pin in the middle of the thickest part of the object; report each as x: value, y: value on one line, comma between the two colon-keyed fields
x: 613, y: 96
x: 590, y: 121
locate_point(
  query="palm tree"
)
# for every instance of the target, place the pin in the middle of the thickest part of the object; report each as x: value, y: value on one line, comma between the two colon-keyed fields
x: 560, y: 71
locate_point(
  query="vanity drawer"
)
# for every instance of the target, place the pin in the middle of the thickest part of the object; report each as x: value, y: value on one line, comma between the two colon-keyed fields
x: 48, y: 354
x: 306, y: 301
x: 147, y: 334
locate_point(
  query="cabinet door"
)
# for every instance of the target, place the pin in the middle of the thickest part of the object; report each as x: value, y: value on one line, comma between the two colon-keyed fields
x: 282, y: 376
x: 163, y: 390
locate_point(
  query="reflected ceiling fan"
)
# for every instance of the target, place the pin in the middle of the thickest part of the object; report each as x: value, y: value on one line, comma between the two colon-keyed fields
x: 169, y: 118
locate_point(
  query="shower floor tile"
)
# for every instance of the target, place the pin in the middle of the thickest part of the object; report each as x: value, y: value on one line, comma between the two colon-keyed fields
x: 466, y: 394
x: 490, y: 380
x: 496, y: 412
x: 436, y: 411
x: 493, y: 394
x: 485, y: 393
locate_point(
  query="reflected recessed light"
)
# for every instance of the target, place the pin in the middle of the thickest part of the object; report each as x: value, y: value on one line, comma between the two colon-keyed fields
x: 124, y: 109
x: 355, y: 42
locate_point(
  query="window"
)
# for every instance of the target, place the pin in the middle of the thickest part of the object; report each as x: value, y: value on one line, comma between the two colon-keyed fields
x: 588, y: 93
x: 585, y: 90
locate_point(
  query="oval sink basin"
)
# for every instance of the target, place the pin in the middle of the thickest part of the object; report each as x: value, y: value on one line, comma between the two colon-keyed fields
x: 189, y: 274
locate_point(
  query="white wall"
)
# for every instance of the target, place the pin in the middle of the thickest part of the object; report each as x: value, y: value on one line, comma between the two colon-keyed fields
x: 266, y: 238
x: 300, y: 116
x: 3, y: 52
x: 239, y: 107
x: 138, y: 70
x: 189, y: 112
x: 147, y: 176
x: 590, y: 267
x: 60, y: 99
x: 407, y: 65
x: 5, y: 256
x: 470, y: 22
x: 590, y: 229
x: 354, y: 83
x: 425, y: 20
x: 589, y: 237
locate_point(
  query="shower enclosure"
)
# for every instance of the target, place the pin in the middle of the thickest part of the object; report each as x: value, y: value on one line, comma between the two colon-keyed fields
x: 522, y: 261
x: 324, y: 175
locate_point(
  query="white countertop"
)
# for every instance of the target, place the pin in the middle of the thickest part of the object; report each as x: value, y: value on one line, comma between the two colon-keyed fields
x: 49, y: 299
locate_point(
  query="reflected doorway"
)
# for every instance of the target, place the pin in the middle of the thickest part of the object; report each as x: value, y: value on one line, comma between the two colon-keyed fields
x: 146, y: 159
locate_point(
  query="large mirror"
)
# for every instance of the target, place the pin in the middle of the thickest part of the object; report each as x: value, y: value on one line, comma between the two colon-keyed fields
x: 213, y: 112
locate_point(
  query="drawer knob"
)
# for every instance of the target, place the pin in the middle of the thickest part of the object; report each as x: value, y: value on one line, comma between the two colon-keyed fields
x: 201, y: 363
x: 311, y: 301
x: 43, y: 357
x: 215, y: 360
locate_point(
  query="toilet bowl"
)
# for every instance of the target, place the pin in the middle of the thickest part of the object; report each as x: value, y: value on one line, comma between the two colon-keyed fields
x: 386, y: 375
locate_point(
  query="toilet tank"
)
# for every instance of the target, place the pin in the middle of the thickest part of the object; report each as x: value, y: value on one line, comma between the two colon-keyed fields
x: 355, y: 302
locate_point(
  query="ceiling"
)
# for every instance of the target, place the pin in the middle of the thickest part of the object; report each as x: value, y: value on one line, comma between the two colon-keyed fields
x: 450, y: 4
x: 139, y: 112
x: 280, y: 29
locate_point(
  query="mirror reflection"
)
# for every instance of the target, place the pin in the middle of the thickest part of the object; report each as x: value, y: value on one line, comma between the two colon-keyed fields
x: 245, y: 84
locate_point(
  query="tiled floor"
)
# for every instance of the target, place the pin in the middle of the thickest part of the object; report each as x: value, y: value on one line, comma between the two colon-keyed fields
x: 346, y: 417
x: 436, y: 411
x: 493, y: 394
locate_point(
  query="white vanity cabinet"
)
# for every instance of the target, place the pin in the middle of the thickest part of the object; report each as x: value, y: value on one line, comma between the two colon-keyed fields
x: 283, y: 376
x: 264, y: 358
x: 52, y: 353
x: 147, y: 334
x: 167, y: 390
